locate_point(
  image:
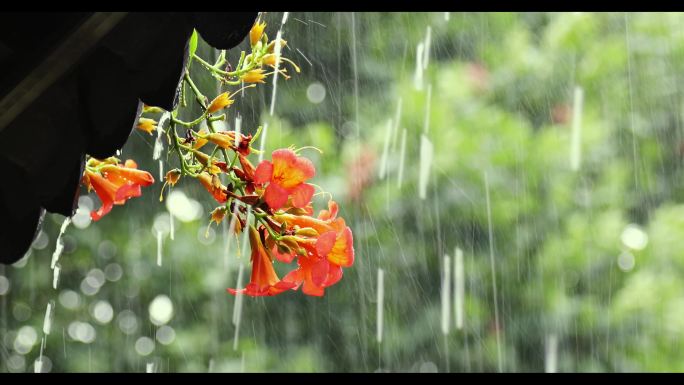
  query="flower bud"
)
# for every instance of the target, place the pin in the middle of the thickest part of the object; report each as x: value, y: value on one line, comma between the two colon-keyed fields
x: 254, y: 76
x: 220, y: 102
x: 256, y: 32
x: 147, y: 125
x: 307, y: 232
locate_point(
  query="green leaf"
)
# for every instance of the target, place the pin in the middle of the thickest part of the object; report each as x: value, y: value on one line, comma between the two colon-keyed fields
x: 193, y: 43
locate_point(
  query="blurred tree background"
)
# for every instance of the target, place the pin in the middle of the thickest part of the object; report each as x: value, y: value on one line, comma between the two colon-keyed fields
x: 551, y: 147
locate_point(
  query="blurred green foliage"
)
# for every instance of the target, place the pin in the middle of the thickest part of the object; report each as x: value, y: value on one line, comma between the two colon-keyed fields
x: 591, y: 259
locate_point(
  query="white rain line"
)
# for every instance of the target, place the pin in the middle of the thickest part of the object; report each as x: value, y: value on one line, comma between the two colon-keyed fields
x: 158, y: 144
x: 301, y: 21
x: 380, y: 303
x: 576, y: 138
x: 55, y: 275
x: 238, y: 128
x: 459, y: 288
x: 49, y: 315
x: 211, y: 366
x: 172, y: 228
x: 262, y: 145
x: 149, y: 368
x: 237, y: 308
x: 38, y: 365
x: 305, y: 58
x: 385, y: 150
x: 446, y: 295
x: 400, y: 176
x: 428, y: 105
x: 59, y: 246
x: 245, y: 234
x: 241, y: 271
x: 426, y: 51
x: 285, y: 15
x: 551, y: 354
x: 161, y: 169
x: 315, y: 22
x: 159, y: 248
x: 277, y: 51
x: 418, y: 75
x: 118, y: 152
x: 426, y: 154
x: 387, y: 195
x: 447, y: 16
x: 491, y: 262
x: 397, y: 120
x: 229, y: 234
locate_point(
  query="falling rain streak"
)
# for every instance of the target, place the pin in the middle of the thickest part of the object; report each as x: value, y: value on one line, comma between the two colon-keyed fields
x: 49, y: 316
x: 446, y: 294
x: 380, y: 304
x: 495, y: 93
x: 497, y: 325
x: 276, y: 51
x: 385, y: 150
x: 237, y: 307
x: 426, y: 154
x: 59, y: 244
x: 158, y: 144
x: 459, y: 288
x: 159, y: 247
x: 402, y: 156
x: 576, y: 139
x: 551, y: 354
x: 262, y: 145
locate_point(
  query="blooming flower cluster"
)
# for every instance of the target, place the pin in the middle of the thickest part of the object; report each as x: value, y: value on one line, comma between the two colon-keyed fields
x: 272, y: 201
x: 321, y: 245
x: 114, y: 183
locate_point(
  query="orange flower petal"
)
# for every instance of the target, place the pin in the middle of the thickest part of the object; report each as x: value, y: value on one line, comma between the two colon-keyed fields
x: 127, y: 192
x: 330, y: 213
x: 289, y: 170
x: 302, y: 194
x: 275, y: 196
x: 342, y: 250
x: 106, y: 191
x: 325, y: 243
x: 263, y: 172
x: 319, y: 272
